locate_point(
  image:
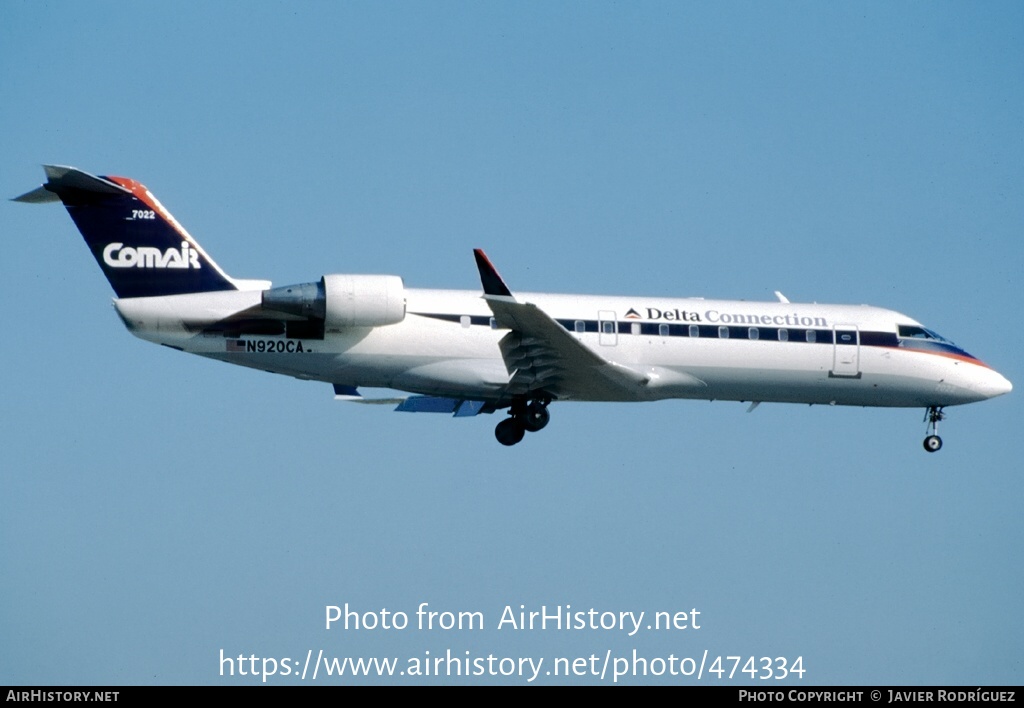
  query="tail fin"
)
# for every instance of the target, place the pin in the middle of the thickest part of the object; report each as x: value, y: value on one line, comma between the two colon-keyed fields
x: 139, y: 246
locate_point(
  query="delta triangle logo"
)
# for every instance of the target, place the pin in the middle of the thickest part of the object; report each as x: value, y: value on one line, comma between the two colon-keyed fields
x: 632, y: 314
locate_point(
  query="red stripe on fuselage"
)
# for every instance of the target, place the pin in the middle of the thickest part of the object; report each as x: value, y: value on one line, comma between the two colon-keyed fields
x: 948, y: 355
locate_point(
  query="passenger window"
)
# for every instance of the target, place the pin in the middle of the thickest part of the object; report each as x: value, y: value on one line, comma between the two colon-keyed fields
x: 723, y: 332
x: 494, y: 323
x: 464, y: 320
x: 752, y: 333
x: 694, y: 330
x: 812, y: 336
x: 580, y: 326
x: 608, y: 327
x: 663, y: 330
x: 783, y: 335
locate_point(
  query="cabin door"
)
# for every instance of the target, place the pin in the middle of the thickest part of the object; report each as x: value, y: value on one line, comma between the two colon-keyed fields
x: 846, y: 351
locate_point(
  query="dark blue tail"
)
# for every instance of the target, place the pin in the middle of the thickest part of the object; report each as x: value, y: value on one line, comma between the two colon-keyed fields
x: 142, y: 250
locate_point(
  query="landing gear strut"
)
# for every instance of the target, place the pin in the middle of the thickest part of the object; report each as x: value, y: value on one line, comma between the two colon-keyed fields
x: 933, y: 443
x: 525, y: 417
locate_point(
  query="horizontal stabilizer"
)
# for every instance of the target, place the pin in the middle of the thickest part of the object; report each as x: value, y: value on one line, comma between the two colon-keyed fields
x: 39, y: 195
x: 61, y: 180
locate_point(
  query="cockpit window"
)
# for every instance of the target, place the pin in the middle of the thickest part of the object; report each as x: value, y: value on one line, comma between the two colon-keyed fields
x: 916, y: 332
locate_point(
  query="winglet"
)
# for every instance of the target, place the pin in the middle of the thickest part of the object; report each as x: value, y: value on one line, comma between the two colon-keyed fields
x: 489, y: 278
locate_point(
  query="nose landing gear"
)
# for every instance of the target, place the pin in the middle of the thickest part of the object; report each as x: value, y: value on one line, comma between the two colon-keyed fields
x: 933, y: 443
x: 525, y: 417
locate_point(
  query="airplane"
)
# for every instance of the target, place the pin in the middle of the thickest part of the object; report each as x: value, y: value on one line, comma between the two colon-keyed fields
x: 467, y: 352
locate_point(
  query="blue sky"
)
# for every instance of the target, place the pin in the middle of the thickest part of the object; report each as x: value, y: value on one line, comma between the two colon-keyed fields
x: 156, y: 509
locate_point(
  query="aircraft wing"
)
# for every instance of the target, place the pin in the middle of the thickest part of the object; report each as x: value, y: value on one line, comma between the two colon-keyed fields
x: 542, y: 356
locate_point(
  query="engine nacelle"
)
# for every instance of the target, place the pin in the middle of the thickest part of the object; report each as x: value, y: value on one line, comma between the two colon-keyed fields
x: 363, y: 300
x: 342, y: 300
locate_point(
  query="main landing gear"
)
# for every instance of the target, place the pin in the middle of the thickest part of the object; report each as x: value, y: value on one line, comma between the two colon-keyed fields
x: 524, y: 417
x: 933, y: 443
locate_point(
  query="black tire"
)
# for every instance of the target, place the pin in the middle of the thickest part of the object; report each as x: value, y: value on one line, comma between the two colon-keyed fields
x: 933, y: 443
x: 509, y: 431
x: 536, y: 417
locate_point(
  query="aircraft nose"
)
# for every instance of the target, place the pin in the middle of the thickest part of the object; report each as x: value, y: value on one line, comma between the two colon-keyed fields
x: 996, y: 385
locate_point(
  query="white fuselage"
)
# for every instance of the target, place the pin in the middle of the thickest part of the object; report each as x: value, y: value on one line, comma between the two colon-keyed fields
x: 448, y: 345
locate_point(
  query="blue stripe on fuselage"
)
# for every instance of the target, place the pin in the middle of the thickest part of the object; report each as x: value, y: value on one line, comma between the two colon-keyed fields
x: 769, y: 334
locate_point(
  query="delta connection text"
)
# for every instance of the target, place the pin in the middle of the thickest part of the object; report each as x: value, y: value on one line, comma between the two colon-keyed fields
x: 559, y: 617
x: 717, y: 317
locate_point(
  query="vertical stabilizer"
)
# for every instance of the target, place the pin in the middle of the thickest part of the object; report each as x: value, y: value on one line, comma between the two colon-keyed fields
x: 140, y: 247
